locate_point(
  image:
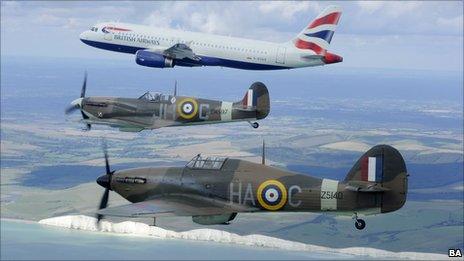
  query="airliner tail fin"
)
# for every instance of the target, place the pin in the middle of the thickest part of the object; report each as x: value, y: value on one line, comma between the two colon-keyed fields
x: 318, y: 34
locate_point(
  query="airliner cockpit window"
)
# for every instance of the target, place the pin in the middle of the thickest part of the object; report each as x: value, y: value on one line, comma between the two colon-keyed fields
x: 150, y: 96
x: 199, y: 162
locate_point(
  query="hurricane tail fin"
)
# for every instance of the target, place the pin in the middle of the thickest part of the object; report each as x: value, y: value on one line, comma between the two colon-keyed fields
x: 381, y: 169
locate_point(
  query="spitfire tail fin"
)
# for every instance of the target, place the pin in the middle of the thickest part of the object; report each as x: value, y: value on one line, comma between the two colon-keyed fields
x: 257, y: 97
x: 381, y: 170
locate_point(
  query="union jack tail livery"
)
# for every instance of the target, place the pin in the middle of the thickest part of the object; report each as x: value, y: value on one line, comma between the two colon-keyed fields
x: 318, y: 34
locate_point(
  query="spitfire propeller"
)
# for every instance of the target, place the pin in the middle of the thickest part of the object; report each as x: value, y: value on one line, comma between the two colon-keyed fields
x: 105, y: 181
x: 77, y: 103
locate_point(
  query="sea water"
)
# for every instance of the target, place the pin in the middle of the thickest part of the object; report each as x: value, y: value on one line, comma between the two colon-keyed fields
x: 30, y: 240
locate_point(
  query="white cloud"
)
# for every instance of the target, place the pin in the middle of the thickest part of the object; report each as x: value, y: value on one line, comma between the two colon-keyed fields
x: 159, y: 19
x: 288, y: 9
x: 453, y: 22
x: 370, y: 6
x: 422, y: 52
x: 212, y: 23
x: 391, y: 8
x: 411, y: 17
x: 61, y: 14
x: 48, y: 19
x: 256, y: 20
x: 396, y: 9
x: 71, y: 23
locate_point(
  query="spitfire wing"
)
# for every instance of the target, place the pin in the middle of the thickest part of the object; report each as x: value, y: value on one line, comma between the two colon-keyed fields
x: 180, y: 51
x: 176, y: 205
x: 137, y: 121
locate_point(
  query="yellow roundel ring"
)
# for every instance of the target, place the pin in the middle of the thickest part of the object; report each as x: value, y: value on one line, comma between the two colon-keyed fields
x: 272, y: 195
x: 187, y: 108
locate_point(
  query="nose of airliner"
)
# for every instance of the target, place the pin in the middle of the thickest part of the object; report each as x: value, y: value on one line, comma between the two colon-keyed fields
x: 84, y: 36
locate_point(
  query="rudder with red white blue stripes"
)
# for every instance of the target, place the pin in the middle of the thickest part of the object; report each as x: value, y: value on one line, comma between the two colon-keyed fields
x: 256, y: 99
x: 372, y: 169
x: 380, y: 170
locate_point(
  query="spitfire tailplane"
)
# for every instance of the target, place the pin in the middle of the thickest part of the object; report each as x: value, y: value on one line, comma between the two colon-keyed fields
x: 256, y: 98
x: 381, y: 170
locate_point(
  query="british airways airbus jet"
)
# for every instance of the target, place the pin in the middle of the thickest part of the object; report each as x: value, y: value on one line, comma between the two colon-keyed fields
x: 162, y: 48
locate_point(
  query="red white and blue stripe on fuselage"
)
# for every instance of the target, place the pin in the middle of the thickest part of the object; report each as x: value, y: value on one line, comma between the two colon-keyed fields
x: 204, y: 61
x: 109, y: 29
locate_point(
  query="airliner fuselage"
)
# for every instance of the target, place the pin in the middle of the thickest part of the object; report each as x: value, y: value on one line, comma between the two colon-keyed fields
x: 160, y: 48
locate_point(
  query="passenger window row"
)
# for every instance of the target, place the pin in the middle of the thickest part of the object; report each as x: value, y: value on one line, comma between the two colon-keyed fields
x: 198, y: 43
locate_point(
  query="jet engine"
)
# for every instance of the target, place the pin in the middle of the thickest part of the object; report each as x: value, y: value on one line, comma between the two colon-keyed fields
x: 214, y: 219
x: 152, y: 59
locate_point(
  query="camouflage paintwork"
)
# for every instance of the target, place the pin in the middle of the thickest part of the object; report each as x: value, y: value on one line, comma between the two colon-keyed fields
x: 240, y: 183
x: 131, y: 114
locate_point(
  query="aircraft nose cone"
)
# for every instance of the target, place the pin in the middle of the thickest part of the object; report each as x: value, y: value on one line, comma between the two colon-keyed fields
x: 77, y: 102
x: 84, y: 36
x: 104, y: 181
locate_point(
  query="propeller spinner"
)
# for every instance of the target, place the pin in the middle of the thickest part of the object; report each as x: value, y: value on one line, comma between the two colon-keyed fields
x: 105, y: 181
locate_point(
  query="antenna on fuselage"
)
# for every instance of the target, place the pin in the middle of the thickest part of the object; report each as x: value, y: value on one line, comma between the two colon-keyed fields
x: 263, y: 157
x: 175, y: 88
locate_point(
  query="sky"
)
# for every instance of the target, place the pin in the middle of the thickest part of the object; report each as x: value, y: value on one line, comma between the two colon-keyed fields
x: 422, y: 35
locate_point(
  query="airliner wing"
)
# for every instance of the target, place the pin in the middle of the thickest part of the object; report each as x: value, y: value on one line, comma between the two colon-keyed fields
x: 180, y: 51
x: 176, y: 205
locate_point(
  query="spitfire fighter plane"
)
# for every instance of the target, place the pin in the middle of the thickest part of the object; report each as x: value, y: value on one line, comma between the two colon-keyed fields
x: 155, y: 110
x: 214, y: 189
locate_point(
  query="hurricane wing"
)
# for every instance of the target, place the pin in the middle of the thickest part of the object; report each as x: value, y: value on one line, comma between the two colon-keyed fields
x: 176, y: 205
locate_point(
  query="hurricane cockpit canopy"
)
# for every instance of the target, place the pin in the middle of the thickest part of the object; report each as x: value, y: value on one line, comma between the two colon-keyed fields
x: 199, y: 162
x: 155, y: 96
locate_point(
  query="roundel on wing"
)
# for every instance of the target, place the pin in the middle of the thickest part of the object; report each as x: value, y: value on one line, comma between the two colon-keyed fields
x: 272, y: 195
x: 187, y: 108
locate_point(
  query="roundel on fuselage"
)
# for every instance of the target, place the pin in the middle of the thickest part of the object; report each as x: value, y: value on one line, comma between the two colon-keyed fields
x: 187, y: 108
x: 272, y: 195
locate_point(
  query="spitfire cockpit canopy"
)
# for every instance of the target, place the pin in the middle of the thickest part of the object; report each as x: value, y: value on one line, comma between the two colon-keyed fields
x: 155, y: 96
x: 199, y: 162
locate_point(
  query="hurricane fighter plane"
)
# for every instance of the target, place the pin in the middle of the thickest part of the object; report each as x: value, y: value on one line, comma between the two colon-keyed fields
x: 155, y: 110
x: 214, y: 189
